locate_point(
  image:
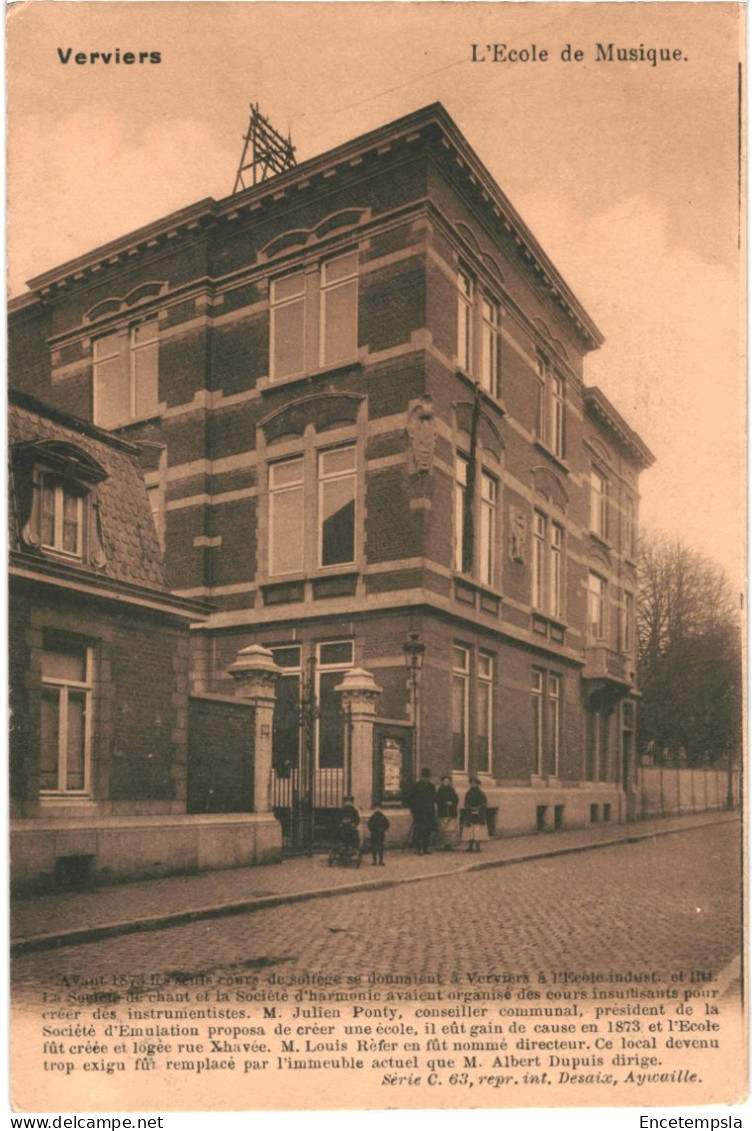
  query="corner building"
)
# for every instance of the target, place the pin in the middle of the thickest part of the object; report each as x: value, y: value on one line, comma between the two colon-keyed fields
x: 358, y: 387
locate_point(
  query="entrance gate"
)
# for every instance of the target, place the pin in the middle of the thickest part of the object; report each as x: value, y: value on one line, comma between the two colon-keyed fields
x: 307, y: 789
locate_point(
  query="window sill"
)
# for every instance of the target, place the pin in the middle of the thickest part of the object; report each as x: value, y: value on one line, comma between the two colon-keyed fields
x: 345, y: 569
x: 557, y: 460
x: 266, y: 385
x: 497, y: 402
x: 56, y: 798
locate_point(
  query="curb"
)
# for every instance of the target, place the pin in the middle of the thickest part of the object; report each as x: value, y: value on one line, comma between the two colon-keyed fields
x: 81, y: 936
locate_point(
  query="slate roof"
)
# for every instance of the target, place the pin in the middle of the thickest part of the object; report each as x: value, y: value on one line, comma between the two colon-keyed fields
x: 129, y: 538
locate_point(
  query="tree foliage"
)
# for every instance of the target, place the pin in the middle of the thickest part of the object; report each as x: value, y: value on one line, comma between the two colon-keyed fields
x: 689, y: 654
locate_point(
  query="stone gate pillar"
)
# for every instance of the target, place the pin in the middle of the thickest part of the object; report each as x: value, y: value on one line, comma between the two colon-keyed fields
x: 359, y: 692
x: 255, y: 675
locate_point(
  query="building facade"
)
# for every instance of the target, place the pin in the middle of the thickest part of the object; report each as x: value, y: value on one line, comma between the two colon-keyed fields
x: 99, y: 669
x: 358, y: 391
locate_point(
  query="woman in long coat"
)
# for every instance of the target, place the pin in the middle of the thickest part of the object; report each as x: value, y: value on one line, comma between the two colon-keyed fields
x: 474, y: 822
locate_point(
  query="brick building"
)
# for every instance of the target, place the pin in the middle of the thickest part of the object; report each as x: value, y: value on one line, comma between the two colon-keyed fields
x: 359, y: 391
x: 99, y: 666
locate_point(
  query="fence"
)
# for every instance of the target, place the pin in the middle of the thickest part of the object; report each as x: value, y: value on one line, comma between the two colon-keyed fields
x: 667, y: 790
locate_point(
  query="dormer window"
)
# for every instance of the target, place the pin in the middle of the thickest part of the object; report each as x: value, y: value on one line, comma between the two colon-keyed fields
x: 55, y: 489
x: 62, y: 514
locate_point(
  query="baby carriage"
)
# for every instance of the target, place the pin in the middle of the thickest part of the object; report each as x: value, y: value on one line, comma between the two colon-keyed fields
x: 346, y: 848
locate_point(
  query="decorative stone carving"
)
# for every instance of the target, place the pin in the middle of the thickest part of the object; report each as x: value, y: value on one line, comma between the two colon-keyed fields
x: 517, y: 534
x: 254, y: 672
x: 421, y: 429
x: 359, y: 690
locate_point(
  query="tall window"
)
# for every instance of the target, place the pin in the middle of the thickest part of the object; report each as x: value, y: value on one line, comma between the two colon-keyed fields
x: 460, y: 706
x: 465, y: 321
x: 288, y: 318
x: 489, y: 359
x: 298, y: 301
x: 339, y: 308
x: 332, y: 659
x: 547, y: 565
x: 538, y: 567
x: 537, y: 701
x: 484, y: 713
x: 554, y: 723
x: 556, y: 574
x: 126, y: 368
x: 62, y: 517
x: 546, y: 697
x: 596, y: 608
x: 598, y: 503
x: 478, y: 333
x: 488, y: 494
x: 628, y: 629
x: 286, y: 539
x: 550, y: 414
x: 556, y: 416
x: 629, y: 526
x: 65, y: 725
x: 337, y: 506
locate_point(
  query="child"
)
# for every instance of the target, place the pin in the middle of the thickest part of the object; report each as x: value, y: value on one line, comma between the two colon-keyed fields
x: 377, y: 826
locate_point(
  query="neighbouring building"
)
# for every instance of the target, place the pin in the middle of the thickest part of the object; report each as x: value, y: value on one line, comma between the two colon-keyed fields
x: 368, y: 442
x: 99, y: 671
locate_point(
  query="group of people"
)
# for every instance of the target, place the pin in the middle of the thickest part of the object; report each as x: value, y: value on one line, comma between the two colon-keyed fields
x: 437, y: 811
x: 434, y: 811
x: 349, y: 836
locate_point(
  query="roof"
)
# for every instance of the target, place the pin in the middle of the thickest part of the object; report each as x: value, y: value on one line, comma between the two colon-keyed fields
x: 600, y: 409
x: 133, y: 553
x: 431, y: 121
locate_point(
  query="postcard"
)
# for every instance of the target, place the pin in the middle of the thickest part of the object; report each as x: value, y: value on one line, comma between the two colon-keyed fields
x: 376, y: 495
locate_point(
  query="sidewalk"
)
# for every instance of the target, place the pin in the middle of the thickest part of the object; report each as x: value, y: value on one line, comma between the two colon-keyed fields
x: 70, y: 918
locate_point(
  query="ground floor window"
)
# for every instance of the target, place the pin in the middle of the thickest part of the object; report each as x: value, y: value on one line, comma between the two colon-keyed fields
x: 598, y: 744
x: 546, y: 695
x: 65, y: 723
x: 473, y: 681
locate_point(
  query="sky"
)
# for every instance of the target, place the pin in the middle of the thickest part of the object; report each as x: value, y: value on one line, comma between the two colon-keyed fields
x: 627, y: 173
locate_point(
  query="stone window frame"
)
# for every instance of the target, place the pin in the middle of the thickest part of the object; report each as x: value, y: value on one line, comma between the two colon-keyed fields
x: 473, y: 330
x: 470, y: 675
x: 547, y: 731
x: 310, y: 485
x: 599, y: 502
x: 313, y: 298
x: 601, y: 635
x: 65, y: 687
x: 550, y: 407
x: 487, y: 467
x: 128, y: 352
x: 72, y: 471
x: 302, y: 429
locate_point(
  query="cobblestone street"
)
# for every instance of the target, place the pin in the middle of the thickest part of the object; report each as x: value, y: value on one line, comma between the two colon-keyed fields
x: 664, y: 903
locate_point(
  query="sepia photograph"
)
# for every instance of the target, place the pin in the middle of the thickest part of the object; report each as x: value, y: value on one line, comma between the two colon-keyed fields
x: 376, y: 500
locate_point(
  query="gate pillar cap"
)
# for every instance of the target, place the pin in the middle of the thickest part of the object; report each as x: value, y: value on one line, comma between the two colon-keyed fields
x: 358, y: 681
x: 254, y: 658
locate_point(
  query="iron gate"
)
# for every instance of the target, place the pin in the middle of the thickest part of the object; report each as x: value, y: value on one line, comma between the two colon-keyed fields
x: 307, y: 790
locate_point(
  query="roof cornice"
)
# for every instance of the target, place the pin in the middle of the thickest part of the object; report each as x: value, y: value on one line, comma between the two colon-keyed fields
x: 430, y: 121
x: 81, y: 581
x: 600, y: 409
